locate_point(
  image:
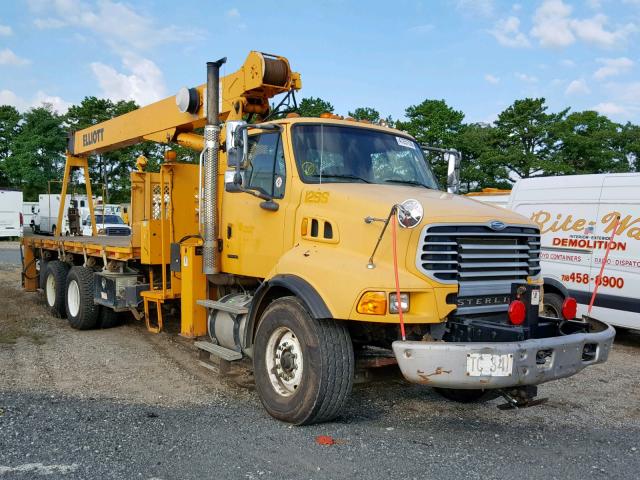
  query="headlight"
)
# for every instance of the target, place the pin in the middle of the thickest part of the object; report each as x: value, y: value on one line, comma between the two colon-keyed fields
x: 404, y: 302
x: 410, y: 213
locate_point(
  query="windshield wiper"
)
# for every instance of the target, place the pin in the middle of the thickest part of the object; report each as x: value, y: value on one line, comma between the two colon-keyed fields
x: 349, y: 177
x: 407, y: 182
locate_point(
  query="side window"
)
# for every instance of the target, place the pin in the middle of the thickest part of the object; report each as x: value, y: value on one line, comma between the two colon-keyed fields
x: 266, y: 171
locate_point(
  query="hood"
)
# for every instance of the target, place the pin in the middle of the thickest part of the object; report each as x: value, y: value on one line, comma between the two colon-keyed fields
x: 439, y: 207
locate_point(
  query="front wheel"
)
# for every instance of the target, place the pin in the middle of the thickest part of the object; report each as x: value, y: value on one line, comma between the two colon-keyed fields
x: 303, y: 367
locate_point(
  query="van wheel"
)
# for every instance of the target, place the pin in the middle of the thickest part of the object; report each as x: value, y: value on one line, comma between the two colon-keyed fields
x: 55, y: 286
x: 82, y: 313
x: 53, y: 231
x: 109, y: 318
x: 303, y: 367
x: 464, y: 396
x: 552, y: 305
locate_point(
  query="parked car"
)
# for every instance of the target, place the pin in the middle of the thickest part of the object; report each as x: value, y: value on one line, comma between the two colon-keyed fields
x: 106, y: 224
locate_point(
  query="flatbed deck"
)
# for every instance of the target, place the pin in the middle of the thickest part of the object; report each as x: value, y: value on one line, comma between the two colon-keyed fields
x: 113, y: 247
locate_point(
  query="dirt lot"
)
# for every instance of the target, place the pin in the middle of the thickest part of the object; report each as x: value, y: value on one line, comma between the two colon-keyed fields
x: 123, y: 403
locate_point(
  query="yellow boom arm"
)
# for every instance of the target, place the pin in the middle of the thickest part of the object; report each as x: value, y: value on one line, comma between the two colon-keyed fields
x: 248, y: 90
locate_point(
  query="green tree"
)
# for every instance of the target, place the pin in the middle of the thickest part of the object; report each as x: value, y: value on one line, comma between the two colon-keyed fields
x: 630, y: 145
x: 589, y: 143
x: 37, y: 151
x: 9, y: 129
x: 366, y: 113
x: 436, y: 124
x: 313, y: 107
x: 525, y: 139
x: 479, y: 169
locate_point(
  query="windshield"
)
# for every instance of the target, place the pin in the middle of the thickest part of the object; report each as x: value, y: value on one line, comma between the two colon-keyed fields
x: 333, y: 153
x: 105, y: 219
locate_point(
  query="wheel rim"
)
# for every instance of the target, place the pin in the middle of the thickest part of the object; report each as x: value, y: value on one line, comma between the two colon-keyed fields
x: 51, y: 290
x: 73, y: 298
x: 284, y: 361
x: 550, y: 311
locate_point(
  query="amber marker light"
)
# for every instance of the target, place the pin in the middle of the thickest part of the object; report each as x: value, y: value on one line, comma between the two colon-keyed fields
x: 373, y: 303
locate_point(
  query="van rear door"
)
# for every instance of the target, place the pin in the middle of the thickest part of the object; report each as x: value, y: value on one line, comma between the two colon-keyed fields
x: 618, y: 298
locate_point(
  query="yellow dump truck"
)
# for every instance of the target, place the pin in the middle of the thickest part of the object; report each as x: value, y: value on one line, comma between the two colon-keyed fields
x: 309, y: 245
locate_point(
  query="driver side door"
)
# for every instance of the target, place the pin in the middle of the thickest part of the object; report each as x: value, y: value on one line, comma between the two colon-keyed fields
x: 253, y: 237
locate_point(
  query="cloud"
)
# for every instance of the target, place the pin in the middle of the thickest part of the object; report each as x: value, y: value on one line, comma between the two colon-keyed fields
x: 507, y: 33
x: 7, y: 57
x: 526, y: 78
x: 143, y: 81
x: 612, y: 67
x: 578, y: 87
x: 421, y: 29
x: 610, y: 108
x: 233, y: 13
x: 491, y: 79
x: 554, y: 27
x: 5, y: 31
x: 8, y: 97
x: 568, y: 63
x: 476, y: 7
x: 592, y: 30
x: 551, y: 24
x: 46, y: 23
x: 118, y: 24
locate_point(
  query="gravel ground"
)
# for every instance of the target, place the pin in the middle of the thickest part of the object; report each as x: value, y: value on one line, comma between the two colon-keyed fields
x: 123, y: 404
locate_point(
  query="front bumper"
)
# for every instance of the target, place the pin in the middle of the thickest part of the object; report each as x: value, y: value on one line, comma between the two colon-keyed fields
x: 442, y: 364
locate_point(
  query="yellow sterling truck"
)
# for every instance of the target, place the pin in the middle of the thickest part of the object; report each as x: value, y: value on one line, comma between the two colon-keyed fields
x: 306, y: 244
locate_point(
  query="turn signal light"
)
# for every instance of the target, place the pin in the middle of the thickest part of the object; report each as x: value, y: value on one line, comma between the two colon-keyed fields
x: 373, y: 303
x: 569, y: 308
x: 517, y: 312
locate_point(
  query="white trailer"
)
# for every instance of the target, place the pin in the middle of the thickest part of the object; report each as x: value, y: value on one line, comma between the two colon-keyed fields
x: 10, y: 213
x: 576, y: 215
x: 47, y: 217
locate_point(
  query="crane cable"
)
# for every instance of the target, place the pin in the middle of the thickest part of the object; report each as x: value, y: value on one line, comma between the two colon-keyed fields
x: 394, y: 242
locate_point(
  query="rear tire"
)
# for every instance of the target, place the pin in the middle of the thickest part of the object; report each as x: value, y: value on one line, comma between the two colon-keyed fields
x: 109, y: 318
x: 464, y: 396
x: 552, y: 305
x: 55, y: 287
x: 303, y: 367
x: 42, y: 275
x: 82, y: 313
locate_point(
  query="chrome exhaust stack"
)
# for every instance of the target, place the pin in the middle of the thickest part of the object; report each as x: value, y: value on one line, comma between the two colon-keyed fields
x: 210, y: 154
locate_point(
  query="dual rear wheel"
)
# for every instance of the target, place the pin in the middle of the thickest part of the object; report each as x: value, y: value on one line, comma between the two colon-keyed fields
x: 69, y: 293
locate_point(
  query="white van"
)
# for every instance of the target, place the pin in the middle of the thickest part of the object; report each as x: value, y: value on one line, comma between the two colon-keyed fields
x: 576, y: 215
x: 10, y: 213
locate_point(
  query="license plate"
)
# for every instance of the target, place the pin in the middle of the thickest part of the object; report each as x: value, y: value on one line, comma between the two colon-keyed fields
x: 489, y: 365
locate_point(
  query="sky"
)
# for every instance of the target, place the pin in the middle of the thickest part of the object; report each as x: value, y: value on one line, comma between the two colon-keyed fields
x: 477, y: 55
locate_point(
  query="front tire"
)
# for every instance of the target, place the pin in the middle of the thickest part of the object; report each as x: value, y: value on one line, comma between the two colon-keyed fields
x: 303, y: 367
x: 55, y: 287
x: 82, y: 313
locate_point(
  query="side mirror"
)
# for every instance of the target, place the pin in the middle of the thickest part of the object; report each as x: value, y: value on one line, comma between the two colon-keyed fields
x: 237, y: 143
x: 453, y: 170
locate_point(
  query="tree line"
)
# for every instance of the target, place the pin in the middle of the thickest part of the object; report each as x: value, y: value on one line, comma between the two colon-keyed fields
x: 526, y: 140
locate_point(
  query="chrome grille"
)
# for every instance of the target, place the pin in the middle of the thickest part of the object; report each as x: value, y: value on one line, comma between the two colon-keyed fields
x: 477, y: 257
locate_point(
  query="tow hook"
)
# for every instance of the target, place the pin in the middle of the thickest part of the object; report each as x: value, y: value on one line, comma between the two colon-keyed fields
x: 522, y: 397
